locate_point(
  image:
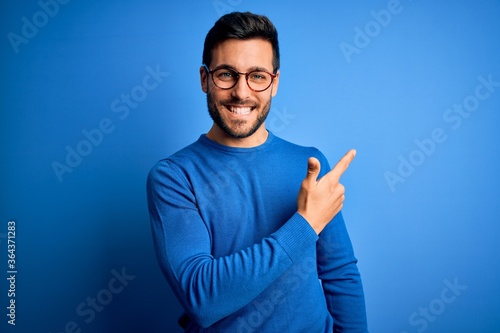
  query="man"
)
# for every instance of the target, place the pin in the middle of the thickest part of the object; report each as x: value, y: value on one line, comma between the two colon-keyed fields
x: 247, y: 243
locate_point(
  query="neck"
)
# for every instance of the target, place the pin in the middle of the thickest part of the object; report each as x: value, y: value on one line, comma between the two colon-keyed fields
x: 254, y: 140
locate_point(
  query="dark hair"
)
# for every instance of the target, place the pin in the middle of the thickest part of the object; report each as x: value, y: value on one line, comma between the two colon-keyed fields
x: 242, y: 26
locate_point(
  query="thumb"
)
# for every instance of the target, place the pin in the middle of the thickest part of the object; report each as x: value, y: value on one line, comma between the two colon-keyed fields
x: 313, y: 168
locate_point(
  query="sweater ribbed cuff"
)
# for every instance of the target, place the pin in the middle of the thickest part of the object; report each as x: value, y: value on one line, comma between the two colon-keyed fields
x: 296, y: 236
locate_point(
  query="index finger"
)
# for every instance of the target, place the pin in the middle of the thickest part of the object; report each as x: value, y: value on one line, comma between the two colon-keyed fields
x: 342, y: 165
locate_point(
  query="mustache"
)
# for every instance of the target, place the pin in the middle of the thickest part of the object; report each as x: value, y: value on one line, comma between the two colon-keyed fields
x: 239, y: 102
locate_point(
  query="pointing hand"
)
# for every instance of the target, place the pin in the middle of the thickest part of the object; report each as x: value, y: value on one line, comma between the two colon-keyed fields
x: 320, y: 200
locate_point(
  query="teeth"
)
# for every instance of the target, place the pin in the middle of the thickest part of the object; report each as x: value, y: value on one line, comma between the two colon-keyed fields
x: 240, y: 110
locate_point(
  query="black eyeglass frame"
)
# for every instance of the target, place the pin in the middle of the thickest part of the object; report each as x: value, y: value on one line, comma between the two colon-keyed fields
x: 211, y: 72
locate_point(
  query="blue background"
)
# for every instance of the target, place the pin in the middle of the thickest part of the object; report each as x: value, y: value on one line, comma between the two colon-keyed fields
x: 435, y: 226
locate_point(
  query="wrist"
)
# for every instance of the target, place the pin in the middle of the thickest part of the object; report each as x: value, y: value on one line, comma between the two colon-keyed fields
x: 317, y: 227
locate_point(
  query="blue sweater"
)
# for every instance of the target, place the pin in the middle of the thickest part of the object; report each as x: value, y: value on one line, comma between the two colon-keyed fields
x: 235, y: 251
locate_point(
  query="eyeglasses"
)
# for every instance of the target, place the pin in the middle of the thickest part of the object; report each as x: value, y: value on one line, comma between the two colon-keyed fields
x: 226, y: 78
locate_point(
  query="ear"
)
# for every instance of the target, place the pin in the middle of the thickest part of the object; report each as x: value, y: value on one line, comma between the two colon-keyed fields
x: 275, y: 84
x: 204, y: 79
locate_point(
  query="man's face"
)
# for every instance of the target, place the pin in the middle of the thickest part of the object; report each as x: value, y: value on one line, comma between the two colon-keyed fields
x: 240, y: 112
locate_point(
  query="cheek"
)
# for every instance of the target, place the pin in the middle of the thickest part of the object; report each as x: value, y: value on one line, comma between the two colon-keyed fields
x: 220, y: 96
x: 265, y: 98
x: 215, y: 99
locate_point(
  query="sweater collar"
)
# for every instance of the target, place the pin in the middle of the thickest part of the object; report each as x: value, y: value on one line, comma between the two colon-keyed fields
x: 212, y: 144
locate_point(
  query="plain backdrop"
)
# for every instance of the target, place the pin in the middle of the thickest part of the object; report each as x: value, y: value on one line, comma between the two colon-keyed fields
x: 93, y: 93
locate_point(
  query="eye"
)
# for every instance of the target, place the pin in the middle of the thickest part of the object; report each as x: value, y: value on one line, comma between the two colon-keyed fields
x: 258, y: 76
x: 225, y: 75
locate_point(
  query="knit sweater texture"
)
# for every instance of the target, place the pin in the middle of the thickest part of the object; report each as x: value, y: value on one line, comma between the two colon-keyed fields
x: 236, y: 253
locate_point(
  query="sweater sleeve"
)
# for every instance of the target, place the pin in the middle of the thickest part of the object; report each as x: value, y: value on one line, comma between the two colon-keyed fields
x: 340, y: 278
x: 338, y: 271
x: 212, y: 288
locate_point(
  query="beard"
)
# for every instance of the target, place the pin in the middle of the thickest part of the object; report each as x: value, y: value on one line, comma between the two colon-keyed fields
x: 237, y: 129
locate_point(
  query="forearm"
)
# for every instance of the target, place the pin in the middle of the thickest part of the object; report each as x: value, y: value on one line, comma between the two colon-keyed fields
x: 212, y: 288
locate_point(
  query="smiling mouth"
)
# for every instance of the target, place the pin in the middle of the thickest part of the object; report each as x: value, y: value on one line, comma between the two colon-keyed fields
x: 240, y: 110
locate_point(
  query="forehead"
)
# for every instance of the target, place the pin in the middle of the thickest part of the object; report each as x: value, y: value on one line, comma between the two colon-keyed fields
x: 243, y: 54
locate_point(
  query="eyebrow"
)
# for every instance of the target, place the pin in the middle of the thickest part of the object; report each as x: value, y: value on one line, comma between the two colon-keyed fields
x: 251, y: 69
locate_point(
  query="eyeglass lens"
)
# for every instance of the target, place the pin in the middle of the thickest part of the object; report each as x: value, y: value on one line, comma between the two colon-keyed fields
x: 227, y: 78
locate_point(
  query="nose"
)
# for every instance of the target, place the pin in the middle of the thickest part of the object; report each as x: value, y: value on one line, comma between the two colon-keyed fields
x: 241, y: 90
